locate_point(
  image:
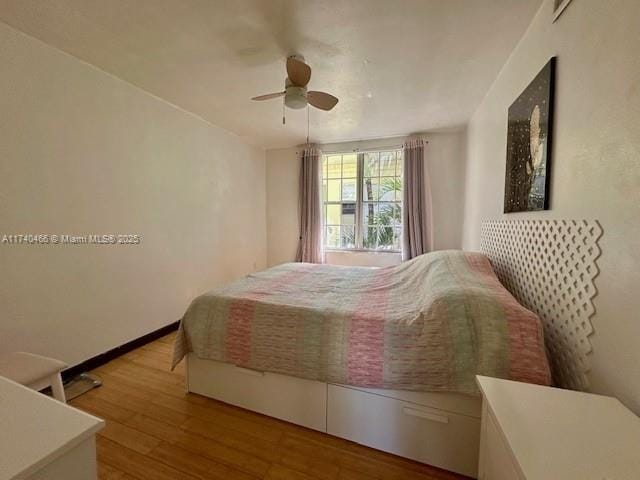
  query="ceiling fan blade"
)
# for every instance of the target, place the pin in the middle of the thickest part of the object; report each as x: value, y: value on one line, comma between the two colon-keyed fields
x: 269, y: 96
x: 321, y: 100
x: 298, y: 72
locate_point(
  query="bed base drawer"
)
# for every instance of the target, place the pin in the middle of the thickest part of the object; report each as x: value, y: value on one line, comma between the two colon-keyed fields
x: 437, y: 437
x: 299, y: 401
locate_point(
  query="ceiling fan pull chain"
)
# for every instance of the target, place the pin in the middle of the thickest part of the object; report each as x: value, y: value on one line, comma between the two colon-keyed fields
x: 284, y: 122
x: 307, y: 124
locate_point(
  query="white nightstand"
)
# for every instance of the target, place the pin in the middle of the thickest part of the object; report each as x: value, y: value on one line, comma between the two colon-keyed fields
x: 531, y: 432
x: 43, y: 439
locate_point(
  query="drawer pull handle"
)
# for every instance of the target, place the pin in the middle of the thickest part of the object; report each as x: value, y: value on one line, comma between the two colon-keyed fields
x: 412, y: 412
x: 248, y: 371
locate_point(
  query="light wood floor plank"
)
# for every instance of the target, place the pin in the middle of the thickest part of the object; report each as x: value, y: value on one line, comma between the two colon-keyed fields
x: 196, y: 444
x: 157, y: 431
x: 107, y: 472
x: 279, y: 472
x: 258, y: 447
x: 156, y: 428
x: 230, y: 422
x: 170, y: 338
x: 220, y: 453
x: 138, y: 466
x: 129, y: 437
x: 93, y: 403
x: 148, y: 383
x: 200, y: 466
x: 136, y: 399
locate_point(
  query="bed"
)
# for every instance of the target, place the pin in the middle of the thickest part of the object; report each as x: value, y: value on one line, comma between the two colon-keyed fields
x: 384, y: 357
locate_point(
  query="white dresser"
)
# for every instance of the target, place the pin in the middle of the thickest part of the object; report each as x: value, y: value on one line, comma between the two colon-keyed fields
x: 44, y: 439
x: 531, y: 432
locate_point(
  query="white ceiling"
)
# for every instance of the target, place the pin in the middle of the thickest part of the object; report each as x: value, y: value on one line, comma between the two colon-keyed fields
x: 397, y: 66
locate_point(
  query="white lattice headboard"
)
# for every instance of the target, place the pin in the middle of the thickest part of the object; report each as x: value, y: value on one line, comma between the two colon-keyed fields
x: 550, y: 267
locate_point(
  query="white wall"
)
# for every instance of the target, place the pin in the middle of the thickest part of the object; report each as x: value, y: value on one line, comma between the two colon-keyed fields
x: 83, y: 152
x: 283, y: 171
x: 595, y: 161
x: 445, y: 155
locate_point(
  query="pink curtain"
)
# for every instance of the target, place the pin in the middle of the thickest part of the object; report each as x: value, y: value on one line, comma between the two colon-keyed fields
x: 416, y: 205
x: 310, y: 212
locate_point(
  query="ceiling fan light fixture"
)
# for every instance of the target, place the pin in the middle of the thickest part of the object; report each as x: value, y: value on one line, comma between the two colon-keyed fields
x: 296, y: 97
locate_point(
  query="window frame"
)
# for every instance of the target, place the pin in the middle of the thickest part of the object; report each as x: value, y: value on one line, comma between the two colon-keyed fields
x: 359, y: 202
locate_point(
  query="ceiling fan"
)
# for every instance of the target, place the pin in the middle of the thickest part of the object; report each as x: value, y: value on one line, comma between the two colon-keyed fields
x: 295, y: 93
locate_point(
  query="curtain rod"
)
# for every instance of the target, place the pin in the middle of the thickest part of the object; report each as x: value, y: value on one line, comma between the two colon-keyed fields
x: 358, y: 150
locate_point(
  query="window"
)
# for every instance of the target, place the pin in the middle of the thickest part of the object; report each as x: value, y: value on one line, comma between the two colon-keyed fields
x: 362, y: 200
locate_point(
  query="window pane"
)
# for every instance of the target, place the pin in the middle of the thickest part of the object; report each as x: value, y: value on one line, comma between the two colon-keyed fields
x: 388, y: 188
x: 350, y: 166
x: 400, y: 163
x: 369, y: 213
x: 324, y: 166
x: 385, y: 238
x: 382, y: 214
x: 333, y: 190
x: 334, y: 166
x: 399, y: 188
x: 333, y: 214
x: 324, y: 190
x: 387, y: 214
x: 349, y: 189
x: 397, y: 213
x: 370, y: 189
x: 371, y: 164
x: 387, y: 164
x: 348, y: 237
x: 397, y: 235
x: 370, y: 237
x: 333, y: 237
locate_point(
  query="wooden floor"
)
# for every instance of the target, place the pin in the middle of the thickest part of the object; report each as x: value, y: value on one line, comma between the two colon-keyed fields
x: 156, y: 431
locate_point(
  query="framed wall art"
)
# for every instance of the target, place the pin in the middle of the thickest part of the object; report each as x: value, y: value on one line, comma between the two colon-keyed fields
x: 529, y: 135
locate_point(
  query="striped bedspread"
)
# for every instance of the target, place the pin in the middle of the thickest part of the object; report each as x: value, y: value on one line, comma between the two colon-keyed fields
x: 429, y: 324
